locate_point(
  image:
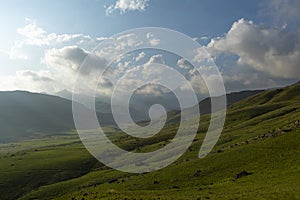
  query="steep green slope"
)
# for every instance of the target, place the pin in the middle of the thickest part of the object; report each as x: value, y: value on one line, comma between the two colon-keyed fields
x: 289, y: 93
x: 205, y: 105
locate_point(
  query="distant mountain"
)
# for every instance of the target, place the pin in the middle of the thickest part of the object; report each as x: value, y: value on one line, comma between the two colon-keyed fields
x: 29, y: 115
x: 139, y: 104
x: 138, y: 111
x: 66, y: 94
x: 205, y: 104
x: 288, y: 93
x: 23, y: 113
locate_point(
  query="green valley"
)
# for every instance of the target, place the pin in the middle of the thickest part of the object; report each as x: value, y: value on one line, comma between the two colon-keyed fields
x: 257, y: 157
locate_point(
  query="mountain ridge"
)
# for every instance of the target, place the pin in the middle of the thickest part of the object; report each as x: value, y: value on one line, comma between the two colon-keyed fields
x: 25, y: 113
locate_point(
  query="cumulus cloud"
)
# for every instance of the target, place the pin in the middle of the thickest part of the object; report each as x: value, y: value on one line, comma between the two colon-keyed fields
x: 34, y: 39
x: 248, y: 81
x: 149, y: 68
x: 140, y: 56
x: 35, y: 81
x: 152, y: 89
x: 141, y: 74
x: 184, y: 64
x: 152, y: 40
x: 112, y: 51
x: 126, y: 41
x: 63, y: 55
x: 72, y: 57
x: 197, y: 83
x: 34, y: 35
x: 41, y: 76
x: 268, y: 50
x: 105, y: 86
x: 156, y: 59
x: 265, y: 57
x: 127, y: 5
x: 59, y: 57
x: 204, y: 38
x: 122, y: 66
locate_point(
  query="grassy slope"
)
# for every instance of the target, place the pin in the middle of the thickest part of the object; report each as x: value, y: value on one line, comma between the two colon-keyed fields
x: 24, y: 113
x: 262, y: 136
x: 46, y: 162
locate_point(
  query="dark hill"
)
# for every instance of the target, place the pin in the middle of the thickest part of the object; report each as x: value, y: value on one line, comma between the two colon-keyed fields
x: 23, y: 113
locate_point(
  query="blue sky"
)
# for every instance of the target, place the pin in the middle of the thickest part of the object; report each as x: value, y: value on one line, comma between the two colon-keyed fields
x: 194, y: 18
x: 22, y: 57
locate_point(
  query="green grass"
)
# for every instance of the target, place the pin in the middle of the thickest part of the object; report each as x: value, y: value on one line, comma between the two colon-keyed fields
x: 261, y: 135
x: 31, y: 164
x: 274, y: 163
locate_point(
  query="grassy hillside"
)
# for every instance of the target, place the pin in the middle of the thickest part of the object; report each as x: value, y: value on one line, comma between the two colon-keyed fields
x: 261, y: 137
x: 24, y: 114
x: 27, y: 115
x: 205, y: 104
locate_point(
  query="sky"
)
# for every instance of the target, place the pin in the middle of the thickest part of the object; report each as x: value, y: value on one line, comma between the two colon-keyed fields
x: 255, y: 44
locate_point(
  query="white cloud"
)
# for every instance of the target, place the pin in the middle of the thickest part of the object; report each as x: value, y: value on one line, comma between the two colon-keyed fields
x: 34, y: 40
x: 127, y: 41
x: 40, y: 76
x: 141, y: 74
x: 105, y: 86
x: 156, y: 59
x: 152, y: 89
x: 197, y: 83
x: 152, y: 40
x: 272, y: 51
x: 140, y: 56
x: 204, y: 38
x: 18, y: 51
x: 238, y: 81
x: 184, y: 64
x: 35, y: 81
x: 149, y: 35
x: 201, y: 57
x: 63, y: 54
x: 266, y: 56
x: 127, y: 5
x: 71, y: 57
x: 34, y: 35
x: 123, y: 66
